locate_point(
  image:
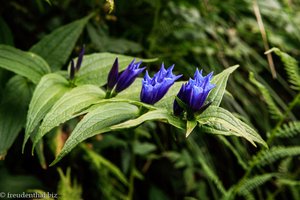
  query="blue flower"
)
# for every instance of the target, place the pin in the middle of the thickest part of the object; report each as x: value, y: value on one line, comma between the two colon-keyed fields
x: 113, y: 75
x: 127, y: 77
x: 153, y: 89
x: 194, y: 93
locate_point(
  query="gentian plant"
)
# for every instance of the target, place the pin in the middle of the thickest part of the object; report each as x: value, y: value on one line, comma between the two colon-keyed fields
x: 116, y: 83
x: 192, y: 95
x: 153, y: 89
x: 74, y: 69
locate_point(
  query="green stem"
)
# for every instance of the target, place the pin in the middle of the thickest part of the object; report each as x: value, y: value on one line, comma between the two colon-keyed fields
x: 279, y: 123
x: 131, y: 178
x: 132, y: 167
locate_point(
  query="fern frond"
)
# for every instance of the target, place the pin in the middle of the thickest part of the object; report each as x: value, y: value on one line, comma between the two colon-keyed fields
x: 269, y: 156
x: 272, y: 107
x: 287, y: 130
x: 245, y: 188
x: 289, y: 182
x: 291, y: 67
x: 207, y: 169
x: 284, y: 166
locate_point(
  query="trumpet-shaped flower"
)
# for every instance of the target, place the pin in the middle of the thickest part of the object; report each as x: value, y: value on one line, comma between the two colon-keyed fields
x: 113, y: 75
x: 153, y: 89
x: 126, y: 78
x: 194, y: 93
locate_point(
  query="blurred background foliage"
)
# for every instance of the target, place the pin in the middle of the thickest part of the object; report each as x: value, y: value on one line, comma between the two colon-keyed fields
x: 156, y: 159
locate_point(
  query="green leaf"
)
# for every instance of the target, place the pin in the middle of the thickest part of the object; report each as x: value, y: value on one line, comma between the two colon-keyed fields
x: 190, y: 126
x: 273, y: 154
x: 40, y: 154
x: 69, y: 106
x: 168, y: 100
x: 99, y: 161
x: 159, y: 114
x: 104, y: 43
x: 97, y: 121
x: 48, y: 91
x: 143, y: 148
x: 272, y: 107
x: 6, y: 36
x: 217, y: 120
x: 220, y: 80
x: 13, y: 108
x: 95, y: 67
x: 26, y: 64
x: 56, y: 47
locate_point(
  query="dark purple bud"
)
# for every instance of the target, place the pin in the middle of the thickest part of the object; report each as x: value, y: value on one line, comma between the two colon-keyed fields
x: 79, y: 60
x: 153, y: 89
x: 178, y: 109
x: 72, y: 70
x: 128, y: 76
x: 194, y: 92
x: 113, y: 75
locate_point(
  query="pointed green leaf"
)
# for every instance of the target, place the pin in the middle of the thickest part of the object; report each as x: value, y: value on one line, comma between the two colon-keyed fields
x: 13, y: 108
x: 48, y: 91
x: 95, y: 67
x: 56, y: 47
x: 40, y: 154
x: 97, y: 121
x: 26, y: 64
x: 220, y: 121
x: 168, y: 100
x: 99, y: 161
x: 6, y: 36
x: 220, y: 80
x: 190, y: 126
x: 159, y: 114
x: 69, y: 106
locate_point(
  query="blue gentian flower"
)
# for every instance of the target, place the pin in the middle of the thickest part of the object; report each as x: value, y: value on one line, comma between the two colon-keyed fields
x: 129, y: 75
x: 153, y: 89
x: 113, y: 75
x: 116, y: 83
x: 194, y: 93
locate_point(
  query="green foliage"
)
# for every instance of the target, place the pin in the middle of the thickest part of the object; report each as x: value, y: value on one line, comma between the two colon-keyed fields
x: 121, y: 148
x: 100, y: 162
x: 25, y: 64
x: 56, y: 47
x: 221, y: 121
x: 68, y: 189
x: 72, y: 104
x: 290, y: 129
x: 47, y: 92
x: 273, y: 154
x: 6, y: 36
x: 291, y: 67
x: 97, y: 121
x: 95, y: 67
x: 273, y: 109
x: 220, y: 80
x: 247, y: 186
x: 13, y: 109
